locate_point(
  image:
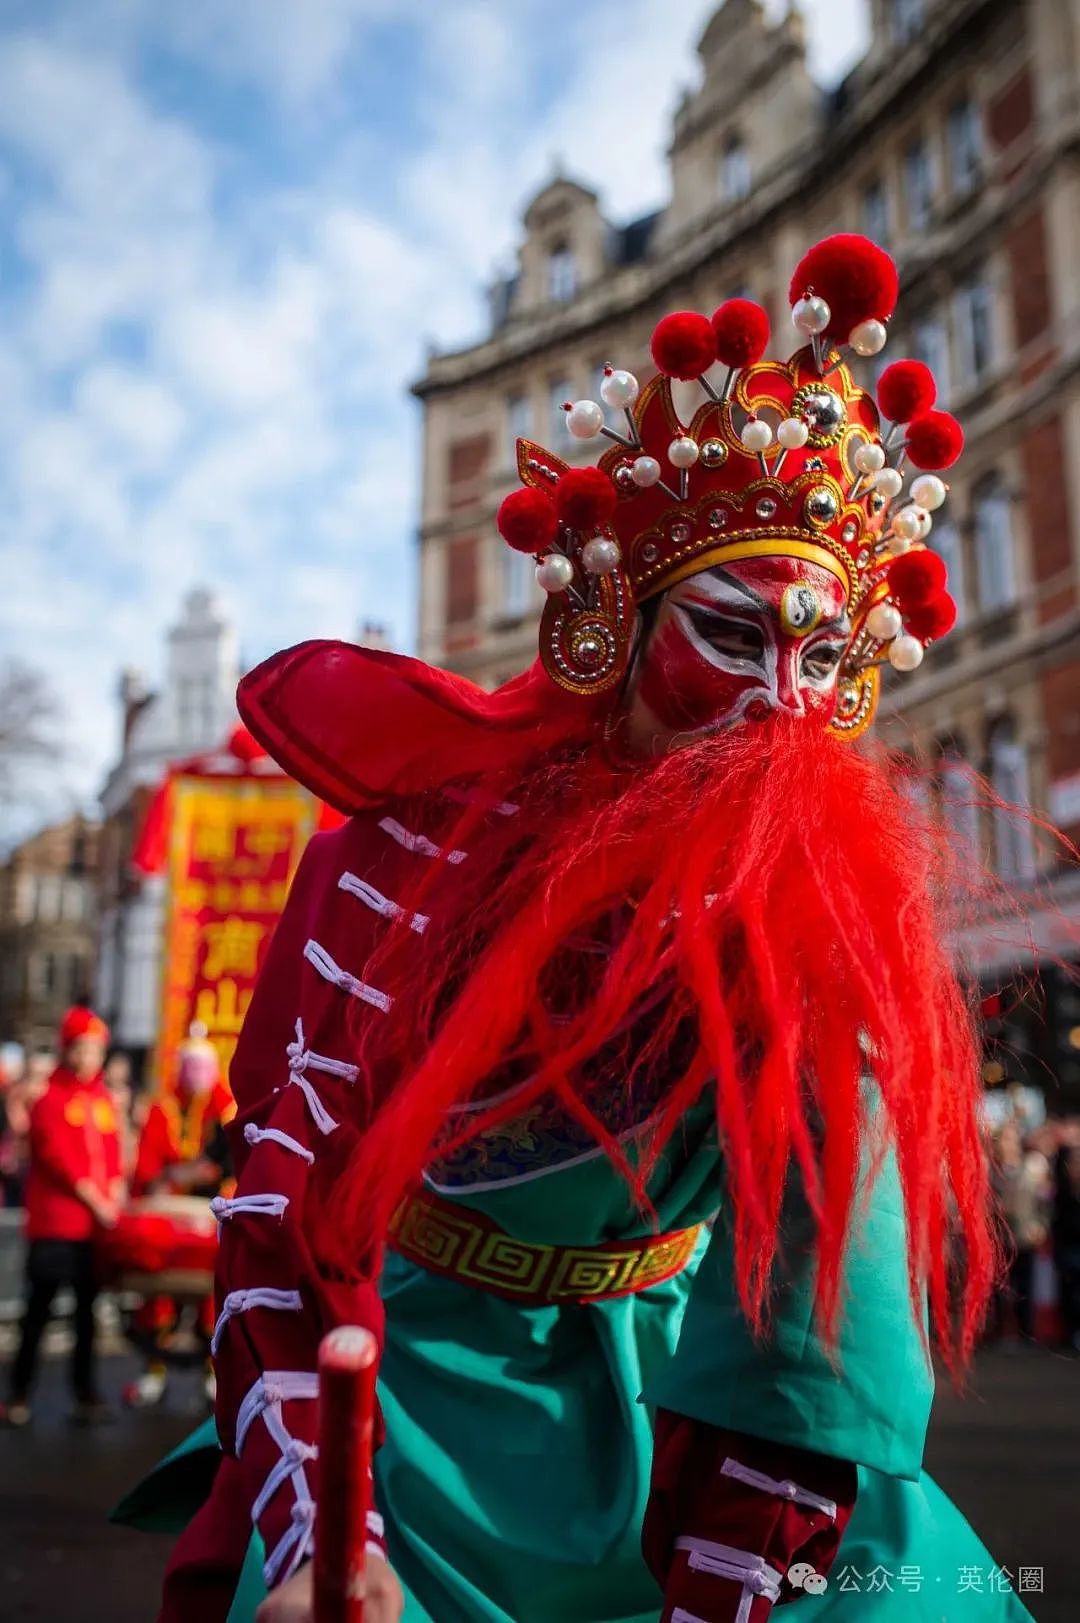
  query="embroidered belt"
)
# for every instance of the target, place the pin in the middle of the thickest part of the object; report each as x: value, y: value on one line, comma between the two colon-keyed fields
x: 462, y: 1243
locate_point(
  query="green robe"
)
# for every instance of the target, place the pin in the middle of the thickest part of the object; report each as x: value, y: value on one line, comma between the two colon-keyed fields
x: 515, y: 1473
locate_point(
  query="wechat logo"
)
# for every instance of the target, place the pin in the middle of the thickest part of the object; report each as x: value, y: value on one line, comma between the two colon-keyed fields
x: 805, y: 1577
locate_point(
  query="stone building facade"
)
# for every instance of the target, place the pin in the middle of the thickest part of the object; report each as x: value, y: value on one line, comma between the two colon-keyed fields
x: 956, y: 143
x: 48, y: 937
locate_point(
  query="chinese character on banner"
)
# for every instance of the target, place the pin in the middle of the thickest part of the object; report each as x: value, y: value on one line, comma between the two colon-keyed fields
x: 878, y: 1581
x: 848, y: 1580
x: 233, y: 843
x: 1000, y: 1579
x: 911, y: 1578
x: 969, y: 1580
x: 1030, y: 1581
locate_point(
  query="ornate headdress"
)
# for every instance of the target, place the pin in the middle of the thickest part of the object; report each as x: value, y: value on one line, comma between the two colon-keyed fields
x: 784, y: 458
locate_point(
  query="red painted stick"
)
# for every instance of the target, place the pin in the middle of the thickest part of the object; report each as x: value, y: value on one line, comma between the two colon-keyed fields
x: 348, y: 1358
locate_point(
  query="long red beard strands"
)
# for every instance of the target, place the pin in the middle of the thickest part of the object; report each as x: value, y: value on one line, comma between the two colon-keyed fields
x: 790, y: 900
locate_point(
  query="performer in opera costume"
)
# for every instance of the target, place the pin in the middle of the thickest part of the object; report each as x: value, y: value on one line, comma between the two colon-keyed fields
x: 608, y: 1062
x: 182, y: 1151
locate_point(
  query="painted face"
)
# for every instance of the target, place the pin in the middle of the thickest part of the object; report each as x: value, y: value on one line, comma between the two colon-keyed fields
x: 734, y: 643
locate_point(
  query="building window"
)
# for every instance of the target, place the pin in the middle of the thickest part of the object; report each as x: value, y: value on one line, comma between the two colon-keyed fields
x: 518, y: 423
x: 957, y: 799
x: 974, y: 329
x: 995, y: 570
x: 947, y: 543
x: 518, y: 583
x: 562, y: 282
x: 1014, y: 853
x: 462, y: 580
x: 875, y: 212
x: 964, y: 137
x: 559, y: 392
x: 905, y: 19
x: 734, y: 171
x: 930, y: 344
x: 919, y: 185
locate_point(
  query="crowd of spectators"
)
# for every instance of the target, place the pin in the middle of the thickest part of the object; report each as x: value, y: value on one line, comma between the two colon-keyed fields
x: 1035, y: 1173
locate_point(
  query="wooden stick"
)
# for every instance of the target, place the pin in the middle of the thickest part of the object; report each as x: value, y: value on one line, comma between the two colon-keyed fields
x: 348, y: 1358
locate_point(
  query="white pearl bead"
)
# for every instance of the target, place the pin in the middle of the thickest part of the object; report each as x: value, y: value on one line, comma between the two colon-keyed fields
x: 890, y: 482
x: 896, y: 544
x: 870, y: 458
x: 619, y: 389
x: 645, y: 471
x: 884, y: 622
x: 554, y: 573
x: 811, y: 315
x: 908, y: 523
x: 929, y: 491
x: 585, y: 419
x: 756, y: 435
x: 906, y: 653
x: 600, y: 555
x: 926, y: 524
x: 868, y: 337
x: 683, y: 452
x: 793, y: 433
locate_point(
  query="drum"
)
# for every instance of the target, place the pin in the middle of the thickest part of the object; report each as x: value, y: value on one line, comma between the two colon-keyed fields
x: 163, y: 1246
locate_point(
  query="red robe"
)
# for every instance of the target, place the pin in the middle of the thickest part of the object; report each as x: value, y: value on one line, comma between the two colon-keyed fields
x: 172, y: 1135
x: 295, y: 1103
x: 74, y: 1134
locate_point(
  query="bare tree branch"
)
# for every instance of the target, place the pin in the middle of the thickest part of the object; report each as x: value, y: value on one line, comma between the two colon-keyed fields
x: 28, y: 713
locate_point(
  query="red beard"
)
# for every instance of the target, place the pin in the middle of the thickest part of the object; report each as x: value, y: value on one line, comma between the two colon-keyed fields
x: 789, y: 897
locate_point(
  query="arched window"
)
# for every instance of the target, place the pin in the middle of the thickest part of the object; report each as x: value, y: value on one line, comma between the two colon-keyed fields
x: 957, y: 798
x: 562, y: 282
x: 734, y: 171
x: 994, y: 563
x: 1014, y: 852
x: 948, y: 544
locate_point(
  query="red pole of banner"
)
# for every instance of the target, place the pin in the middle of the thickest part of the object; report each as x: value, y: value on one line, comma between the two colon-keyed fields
x: 348, y: 1358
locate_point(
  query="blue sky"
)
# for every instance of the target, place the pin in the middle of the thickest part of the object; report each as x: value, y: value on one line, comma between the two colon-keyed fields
x: 227, y: 230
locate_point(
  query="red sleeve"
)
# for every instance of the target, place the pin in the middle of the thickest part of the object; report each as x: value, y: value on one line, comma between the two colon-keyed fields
x: 729, y: 1516
x: 57, y: 1146
x: 295, y: 1104
x: 151, y: 1159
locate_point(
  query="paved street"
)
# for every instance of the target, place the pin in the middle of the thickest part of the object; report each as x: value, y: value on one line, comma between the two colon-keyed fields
x: 1009, y: 1453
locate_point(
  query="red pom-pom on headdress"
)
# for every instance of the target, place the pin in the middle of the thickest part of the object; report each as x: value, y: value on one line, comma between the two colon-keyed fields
x: 932, y: 619
x: 683, y: 345
x: 915, y: 577
x: 585, y: 498
x: 905, y: 390
x: 855, y: 277
x: 740, y: 332
x: 527, y: 520
x: 934, y: 440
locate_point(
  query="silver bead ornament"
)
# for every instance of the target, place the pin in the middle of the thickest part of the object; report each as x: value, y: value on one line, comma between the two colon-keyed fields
x: 554, y: 573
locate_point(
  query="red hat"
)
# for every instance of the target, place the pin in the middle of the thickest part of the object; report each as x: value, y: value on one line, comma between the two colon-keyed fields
x: 80, y: 1022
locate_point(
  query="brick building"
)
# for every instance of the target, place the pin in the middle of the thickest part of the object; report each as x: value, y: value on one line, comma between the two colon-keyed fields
x: 956, y: 143
x: 48, y: 919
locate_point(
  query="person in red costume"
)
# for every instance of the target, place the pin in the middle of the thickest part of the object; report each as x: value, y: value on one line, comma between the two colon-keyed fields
x: 182, y: 1151
x: 612, y: 1051
x: 74, y: 1188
